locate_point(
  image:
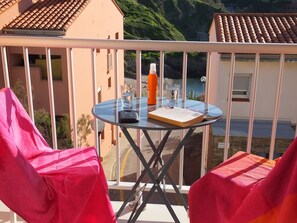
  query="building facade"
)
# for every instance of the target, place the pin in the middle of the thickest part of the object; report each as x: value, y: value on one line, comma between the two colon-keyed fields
x: 253, y: 28
x: 93, y: 19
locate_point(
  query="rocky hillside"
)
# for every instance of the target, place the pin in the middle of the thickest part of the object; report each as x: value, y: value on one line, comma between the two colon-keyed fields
x: 167, y: 19
x: 181, y: 20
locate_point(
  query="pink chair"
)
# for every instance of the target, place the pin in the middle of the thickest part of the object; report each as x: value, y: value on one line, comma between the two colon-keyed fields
x: 247, y: 188
x: 45, y: 185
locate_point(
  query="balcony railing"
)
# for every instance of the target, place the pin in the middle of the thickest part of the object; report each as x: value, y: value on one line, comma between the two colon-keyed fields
x: 161, y: 47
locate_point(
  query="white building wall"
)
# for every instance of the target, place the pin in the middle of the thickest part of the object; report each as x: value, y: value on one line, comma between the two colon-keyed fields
x: 266, y: 90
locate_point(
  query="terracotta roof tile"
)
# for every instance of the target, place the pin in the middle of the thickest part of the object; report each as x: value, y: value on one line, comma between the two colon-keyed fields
x: 5, y: 4
x: 256, y: 27
x: 48, y: 15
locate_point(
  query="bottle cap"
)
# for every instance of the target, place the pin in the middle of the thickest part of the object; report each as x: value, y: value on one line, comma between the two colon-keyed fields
x: 153, y: 69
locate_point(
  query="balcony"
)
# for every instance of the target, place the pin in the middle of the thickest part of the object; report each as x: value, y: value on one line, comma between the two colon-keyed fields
x: 231, y: 130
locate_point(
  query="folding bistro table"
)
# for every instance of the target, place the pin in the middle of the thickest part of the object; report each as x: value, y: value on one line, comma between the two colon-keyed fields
x: 108, y: 112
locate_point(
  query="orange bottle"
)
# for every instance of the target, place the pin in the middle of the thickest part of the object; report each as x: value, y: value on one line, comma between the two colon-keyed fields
x: 152, y: 81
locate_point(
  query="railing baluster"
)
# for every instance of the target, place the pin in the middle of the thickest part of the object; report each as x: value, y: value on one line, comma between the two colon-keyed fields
x: 182, y: 133
x: 229, y: 106
x: 253, y: 103
x: 139, y: 93
x: 184, y: 76
x: 51, y: 97
x: 12, y: 217
x: 161, y: 94
x: 94, y: 88
x: 276, y: 107
x: 138, y: 196
x: 72, y: 97
x: 28, y: 82
x: 5, y: 66
x: 205, y: 139
x: 117, y: 128
x: 138, y: 74
x: 161, y: 75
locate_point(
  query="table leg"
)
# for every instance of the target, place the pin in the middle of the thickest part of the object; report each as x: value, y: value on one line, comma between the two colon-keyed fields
x: 162, y: 145
x: 155, y: 156
x: 164, y: 169
x: 157, y: 181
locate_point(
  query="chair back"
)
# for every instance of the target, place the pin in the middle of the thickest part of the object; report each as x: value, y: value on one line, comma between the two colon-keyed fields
x: 17, y: 124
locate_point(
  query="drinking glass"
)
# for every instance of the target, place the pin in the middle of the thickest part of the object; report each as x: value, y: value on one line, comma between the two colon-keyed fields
x: 127, y: 95
x: 172, y: 95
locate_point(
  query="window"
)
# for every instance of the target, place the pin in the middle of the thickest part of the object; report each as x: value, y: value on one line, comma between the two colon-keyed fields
x: 109, y: 61
x: 99, y: 99
x: 102, y: 135
x: 109, y: 82
x: 109, y: 58
x: 113, y: 136
x: 40, y: 61
x: 99, y: 95
x: 241, y: 87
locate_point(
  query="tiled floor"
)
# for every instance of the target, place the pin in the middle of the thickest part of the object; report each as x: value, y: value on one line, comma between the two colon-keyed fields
x: 153, y: 213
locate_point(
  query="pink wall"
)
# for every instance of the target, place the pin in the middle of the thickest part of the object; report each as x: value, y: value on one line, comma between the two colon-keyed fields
x: 95, y: 25
x: 40, y: 87
x: 8, y: 15
x: 101, y: 19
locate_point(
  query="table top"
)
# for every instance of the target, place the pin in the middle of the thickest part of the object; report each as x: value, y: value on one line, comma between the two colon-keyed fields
x: 107, y: 111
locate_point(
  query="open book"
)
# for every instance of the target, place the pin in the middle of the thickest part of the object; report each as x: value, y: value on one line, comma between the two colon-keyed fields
x: 176, y: 116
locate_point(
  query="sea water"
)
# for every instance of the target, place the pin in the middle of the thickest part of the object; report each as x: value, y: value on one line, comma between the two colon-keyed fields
x: 195, y: 87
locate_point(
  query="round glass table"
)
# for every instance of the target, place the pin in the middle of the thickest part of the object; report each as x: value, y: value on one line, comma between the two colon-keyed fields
x: 108, y: 112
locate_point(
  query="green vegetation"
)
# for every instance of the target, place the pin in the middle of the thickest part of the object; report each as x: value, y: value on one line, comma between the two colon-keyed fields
x: 179, y: 20
x: 183, y: 19
x: 84, y: 129
x: 192, y: 96
x: 167, y: 19
x: 256, y: 5
x: 142, y: 22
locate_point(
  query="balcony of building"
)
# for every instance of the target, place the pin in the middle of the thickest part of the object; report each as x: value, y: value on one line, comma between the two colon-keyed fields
x: 216, y: 142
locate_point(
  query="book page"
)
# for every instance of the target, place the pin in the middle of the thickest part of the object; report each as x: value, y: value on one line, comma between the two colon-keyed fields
x: 176, y: 115
x: 179, y: 114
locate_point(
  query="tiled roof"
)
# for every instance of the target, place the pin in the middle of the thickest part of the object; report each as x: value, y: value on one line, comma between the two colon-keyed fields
x: 5, y: 4
x: 47, y: 15
x: 256, y: 27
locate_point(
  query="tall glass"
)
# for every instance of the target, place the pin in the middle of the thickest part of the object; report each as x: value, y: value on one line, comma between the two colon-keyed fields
x: 172, y: 95
x: 127, y: 95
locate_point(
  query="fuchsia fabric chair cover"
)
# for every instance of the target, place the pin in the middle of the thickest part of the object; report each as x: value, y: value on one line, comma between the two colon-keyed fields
x: 247, y: 188
x: 45, y: 185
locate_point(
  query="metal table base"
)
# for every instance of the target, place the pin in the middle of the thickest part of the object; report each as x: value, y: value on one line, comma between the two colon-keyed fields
x: 107, y: 111
x: 158, y: 178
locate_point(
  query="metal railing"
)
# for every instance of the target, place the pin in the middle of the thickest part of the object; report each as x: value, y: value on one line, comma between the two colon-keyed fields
x: 162, y: 47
